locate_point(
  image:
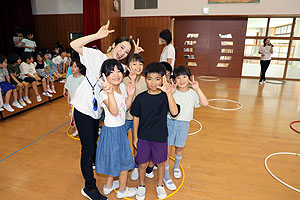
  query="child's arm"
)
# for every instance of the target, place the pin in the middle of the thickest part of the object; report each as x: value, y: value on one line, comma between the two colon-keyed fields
x: 130, y: 94
x: 36, y: 77
x: 136, y: 121
x: 167, y: 88
x: 7, y: 78
x: 78, y: 44
x: 16, y: 80
x: 110, y: 102
x: 202, y: 97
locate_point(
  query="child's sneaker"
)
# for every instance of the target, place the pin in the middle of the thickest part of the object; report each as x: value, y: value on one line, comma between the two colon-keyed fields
x: 170, y: 184
x: 177, y: 173
x: 129, y: 192
x: 63, y: 81
x: 50, y: 91
x: 21, y: 101
x: 1, y: 109
x: 47, y: 94
x: 93, y: 194
x: 53, y: 89
x: 161, y: 192
x: 140, y: 193
x: 115, y: 185
x: 75, y: 133
x: 27, y: 100
x: 38, y: 98
x: 16, y: 104
x: 8, y: 108
x: 135, y: 174
x: 150, y: 175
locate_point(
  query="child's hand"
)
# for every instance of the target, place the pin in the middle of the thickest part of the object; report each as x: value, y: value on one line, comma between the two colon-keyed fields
x: 20, y: 85
x: 130, y: 88
x: 132, y: 74
x: 65, y: 92
x: 173, y: 87
x: 137, y: 48
x: 104, y: 31
x: 134, y: 143
x: 194, y: 84
x: 106, y: 86
x: 166, y: 87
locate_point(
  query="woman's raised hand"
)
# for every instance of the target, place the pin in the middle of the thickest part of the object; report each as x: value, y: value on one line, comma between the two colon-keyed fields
x: 104, y: 31
x: 137, y: 48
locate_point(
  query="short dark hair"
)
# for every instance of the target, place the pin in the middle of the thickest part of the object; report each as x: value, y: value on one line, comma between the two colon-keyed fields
x: 109, y: 65
x: 155, y: 67
x: 61, y: 50
x: 18, y: 30
x: 81, y: 66
x: 166, y: 35
x: 2, y: 59
x: 28, y: 32
x: 135, y: 57
x: 12, y: 58
x: 167, y: 66
x: 26, y: 55
x: 181, y: 70
x: 69, y: 50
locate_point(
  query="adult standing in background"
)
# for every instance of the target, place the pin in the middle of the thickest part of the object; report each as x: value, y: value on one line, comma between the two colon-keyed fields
x: 265, y: 58
x: 168, y: 53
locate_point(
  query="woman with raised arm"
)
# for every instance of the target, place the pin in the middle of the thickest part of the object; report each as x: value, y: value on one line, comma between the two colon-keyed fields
x: 87, y: 111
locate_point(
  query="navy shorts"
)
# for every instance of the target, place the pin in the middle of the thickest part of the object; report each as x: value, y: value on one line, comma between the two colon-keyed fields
x: 29, y: 79
x: 150, y: 150
x: 12, y: 81
x: 6, y: 86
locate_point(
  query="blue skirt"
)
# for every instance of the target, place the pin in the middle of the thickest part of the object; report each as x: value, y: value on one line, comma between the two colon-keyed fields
x: 113, y: 153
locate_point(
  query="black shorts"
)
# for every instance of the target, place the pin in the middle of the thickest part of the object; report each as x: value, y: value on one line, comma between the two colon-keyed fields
x: 12, y: 81
x: 29, y: 79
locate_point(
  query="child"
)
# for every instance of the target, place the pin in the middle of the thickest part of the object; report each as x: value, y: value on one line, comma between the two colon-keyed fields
x: 113, y: 154
x: 49, y: 69
x: 6, y: 87
x: 40, y: 66
x: 69, y: 52
x: 74, y: 80
x: 28, y: 43
x: 149, y: 110
x: 14, y: 71
x: 55, y: 50
x: 60, y: 61
x: 135, y: 63
x: 17, y: 39
x: 179, y: 126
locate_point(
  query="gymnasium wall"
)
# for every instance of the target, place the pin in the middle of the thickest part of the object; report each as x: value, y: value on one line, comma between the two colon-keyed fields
x: 194, y: 7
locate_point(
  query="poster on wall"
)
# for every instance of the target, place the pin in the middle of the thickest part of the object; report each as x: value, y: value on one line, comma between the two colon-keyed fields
x: 232, y: 1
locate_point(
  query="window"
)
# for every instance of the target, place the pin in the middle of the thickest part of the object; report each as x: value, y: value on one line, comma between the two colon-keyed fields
x: 280, y: 27
x: 257, y: 26
x: 145, y: 4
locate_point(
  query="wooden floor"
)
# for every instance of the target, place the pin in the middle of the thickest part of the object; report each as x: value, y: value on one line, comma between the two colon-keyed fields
x: 225, y: 161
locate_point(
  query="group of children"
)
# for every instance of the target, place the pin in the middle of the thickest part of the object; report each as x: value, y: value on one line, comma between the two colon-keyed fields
x: 158, y: 109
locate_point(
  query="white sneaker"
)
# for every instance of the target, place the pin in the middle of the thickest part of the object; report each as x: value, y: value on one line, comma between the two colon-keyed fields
x: 115, y: 185
x: 154, y: 167
x: 8, y: 108
x: 75, y: 133
x: 21, y: 101
x: 177, y: 173
x: 38, y: 98
x: 141, y: 192
x: 1, y: 109
x: 50, y: 91
x: 150, y: 175
x: 16, y: 104
x: 161, y: 192
x: 261, y: 82
x: 53, y: 90
x: 62, y: 81
x: 27, y: 100
x: 135, y: 174
x: 129, y: 192
x: 264, y: 81
x: 47, y: 94
x: 170, y: 184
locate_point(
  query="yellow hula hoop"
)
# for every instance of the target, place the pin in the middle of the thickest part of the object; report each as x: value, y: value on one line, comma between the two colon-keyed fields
x: 70, y: 135
x: 183, y: 177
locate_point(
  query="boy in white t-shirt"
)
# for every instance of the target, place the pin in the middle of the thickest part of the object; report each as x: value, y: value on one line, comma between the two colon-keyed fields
x: 178, y: 127
x: 28, y: 43
x: 61, y: 61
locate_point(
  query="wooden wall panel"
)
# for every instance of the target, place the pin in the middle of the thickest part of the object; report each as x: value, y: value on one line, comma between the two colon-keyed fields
x: 147, y: 29
x: 53, y: 28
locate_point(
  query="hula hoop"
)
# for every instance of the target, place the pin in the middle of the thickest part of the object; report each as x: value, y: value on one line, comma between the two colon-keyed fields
x: 70, y: 135
x: 183, y: 177
x: 240, y: 105
x: 197, y: 130
x: 266, y: 166
x: 208, y: 78
x: 291, y: 126
x: 275, y: 81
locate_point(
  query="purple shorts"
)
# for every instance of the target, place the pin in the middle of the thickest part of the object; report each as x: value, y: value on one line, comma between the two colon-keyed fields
x: 149, y: 150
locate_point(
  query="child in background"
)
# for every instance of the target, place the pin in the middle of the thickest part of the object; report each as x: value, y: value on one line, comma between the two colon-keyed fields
x: 14, y: 71
x: 6, y: 87
x: 28, y: 43
x: 40, y: 66
x: 169, y: 70
x: 113, y: 154
x: 135, y: 64
x: 50, y: 69
x: 55, y: 50
x: 60, y: 61
x: 17, y: 39
x: 73, y: 81
x: 69, y: 52
x: 149, y: 110
x: 179, y: 126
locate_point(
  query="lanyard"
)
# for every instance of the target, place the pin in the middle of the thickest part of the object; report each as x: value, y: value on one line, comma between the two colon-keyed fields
x: 95, y: 103
x: 93, y: 87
